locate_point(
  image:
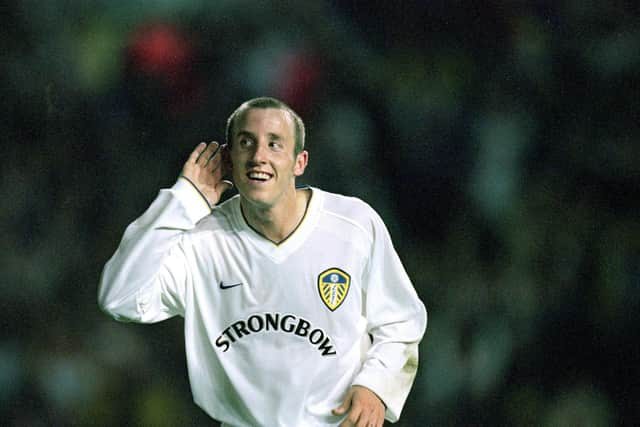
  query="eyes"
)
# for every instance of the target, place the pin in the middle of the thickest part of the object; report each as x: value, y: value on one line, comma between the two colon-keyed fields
x: 246, y: 143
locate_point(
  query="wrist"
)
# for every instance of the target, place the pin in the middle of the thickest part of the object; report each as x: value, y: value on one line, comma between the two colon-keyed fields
x: 197, y: 190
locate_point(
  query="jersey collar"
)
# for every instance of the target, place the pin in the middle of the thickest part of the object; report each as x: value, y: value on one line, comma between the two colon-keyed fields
x: 280, y: 252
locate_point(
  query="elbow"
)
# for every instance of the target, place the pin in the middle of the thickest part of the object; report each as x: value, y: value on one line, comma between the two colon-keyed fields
x: 117, y: 306
x: 106, y: 305
x: 422, y: 321
x: 112, y: 310
x: 110, y: 300
x: 425, y: 319
x: 104, y: 297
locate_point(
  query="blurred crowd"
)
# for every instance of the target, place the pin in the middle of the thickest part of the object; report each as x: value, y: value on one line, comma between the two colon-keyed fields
x: 498, y: 140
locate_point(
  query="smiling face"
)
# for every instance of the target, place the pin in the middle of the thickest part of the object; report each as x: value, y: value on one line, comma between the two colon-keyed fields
x: 263, y: 159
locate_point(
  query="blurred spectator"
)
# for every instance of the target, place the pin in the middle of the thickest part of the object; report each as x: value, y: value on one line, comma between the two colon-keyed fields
x: 498, y: 140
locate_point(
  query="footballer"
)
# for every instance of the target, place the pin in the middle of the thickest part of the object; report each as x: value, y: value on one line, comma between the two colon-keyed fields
x: 297, y: 309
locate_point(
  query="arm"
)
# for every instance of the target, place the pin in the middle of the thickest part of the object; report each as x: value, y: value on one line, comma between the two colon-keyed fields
x: 144, y: 281
x: 396, y: 319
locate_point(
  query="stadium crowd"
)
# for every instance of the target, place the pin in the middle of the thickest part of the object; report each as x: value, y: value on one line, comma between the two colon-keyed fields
x: 498, y: 140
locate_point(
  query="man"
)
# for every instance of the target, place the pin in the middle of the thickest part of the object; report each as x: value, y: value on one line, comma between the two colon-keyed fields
x: 297, y: 310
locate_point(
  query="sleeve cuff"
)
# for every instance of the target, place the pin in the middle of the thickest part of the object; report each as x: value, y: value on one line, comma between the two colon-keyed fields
x: 193, y: 200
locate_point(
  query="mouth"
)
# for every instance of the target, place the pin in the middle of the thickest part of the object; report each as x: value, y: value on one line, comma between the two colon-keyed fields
x: 259, y: 176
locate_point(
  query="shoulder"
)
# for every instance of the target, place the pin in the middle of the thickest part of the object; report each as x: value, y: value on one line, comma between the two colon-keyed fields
x: 219, y: 222
x: 350, y: 210
x: 347, y: 206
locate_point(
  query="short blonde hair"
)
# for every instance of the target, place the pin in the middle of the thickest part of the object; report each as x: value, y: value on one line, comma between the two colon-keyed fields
x: 265, y: 102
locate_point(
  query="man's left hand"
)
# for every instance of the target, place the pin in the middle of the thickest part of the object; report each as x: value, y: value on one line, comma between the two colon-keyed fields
x: 364, y: 408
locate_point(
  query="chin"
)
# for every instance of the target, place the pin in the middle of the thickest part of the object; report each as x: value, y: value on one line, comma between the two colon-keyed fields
x: 255, y: 197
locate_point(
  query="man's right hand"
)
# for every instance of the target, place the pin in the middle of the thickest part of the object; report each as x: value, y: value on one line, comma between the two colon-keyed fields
x: 205, y: 169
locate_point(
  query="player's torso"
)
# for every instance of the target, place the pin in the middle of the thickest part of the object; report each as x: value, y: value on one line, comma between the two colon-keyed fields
x: 281, y: 321
x: 314, y: 294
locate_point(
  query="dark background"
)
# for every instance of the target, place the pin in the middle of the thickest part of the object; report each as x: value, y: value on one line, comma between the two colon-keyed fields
x: 497, y: 139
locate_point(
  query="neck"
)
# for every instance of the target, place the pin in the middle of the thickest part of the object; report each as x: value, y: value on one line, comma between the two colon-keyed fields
x: 277, y: 222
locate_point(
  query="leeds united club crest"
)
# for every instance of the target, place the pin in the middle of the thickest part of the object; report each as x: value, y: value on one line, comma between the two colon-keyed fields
x: 333, y: 285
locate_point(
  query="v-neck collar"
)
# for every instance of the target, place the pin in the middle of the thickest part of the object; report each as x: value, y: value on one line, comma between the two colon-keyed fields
x: 279, y: 252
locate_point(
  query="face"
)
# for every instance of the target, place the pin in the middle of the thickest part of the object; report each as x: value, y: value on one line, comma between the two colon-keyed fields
x: 262, y: 156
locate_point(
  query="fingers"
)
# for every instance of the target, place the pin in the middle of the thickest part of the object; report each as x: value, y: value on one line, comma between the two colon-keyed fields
x: 344, y: 407
x: 354, y: 418
x: 363, y: 409
x: 359, y: 417
x: 208, y: 157
x: 195, y: 154
x: 349, y: 421
x: 207, y: 154
x: 204, y: 169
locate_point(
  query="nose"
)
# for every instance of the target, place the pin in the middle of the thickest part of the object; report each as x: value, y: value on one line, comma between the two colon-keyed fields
x: 259, y: 153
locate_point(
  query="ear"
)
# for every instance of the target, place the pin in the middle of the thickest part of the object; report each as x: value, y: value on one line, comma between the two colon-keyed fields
x: 300, y: 165
x: 227, y: 164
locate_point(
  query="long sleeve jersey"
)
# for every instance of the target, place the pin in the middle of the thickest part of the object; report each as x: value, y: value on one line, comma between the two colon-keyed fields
x: 275, y: 334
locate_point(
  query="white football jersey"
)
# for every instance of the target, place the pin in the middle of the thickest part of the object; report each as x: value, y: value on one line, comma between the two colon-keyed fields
x: 275, y: 334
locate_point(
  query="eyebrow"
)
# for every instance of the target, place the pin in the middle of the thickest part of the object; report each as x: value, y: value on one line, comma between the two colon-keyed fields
x: 244, y: 133
x: 272, y: 136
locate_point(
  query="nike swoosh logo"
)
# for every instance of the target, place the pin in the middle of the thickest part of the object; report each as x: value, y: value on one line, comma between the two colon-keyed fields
x: 223, y: 286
